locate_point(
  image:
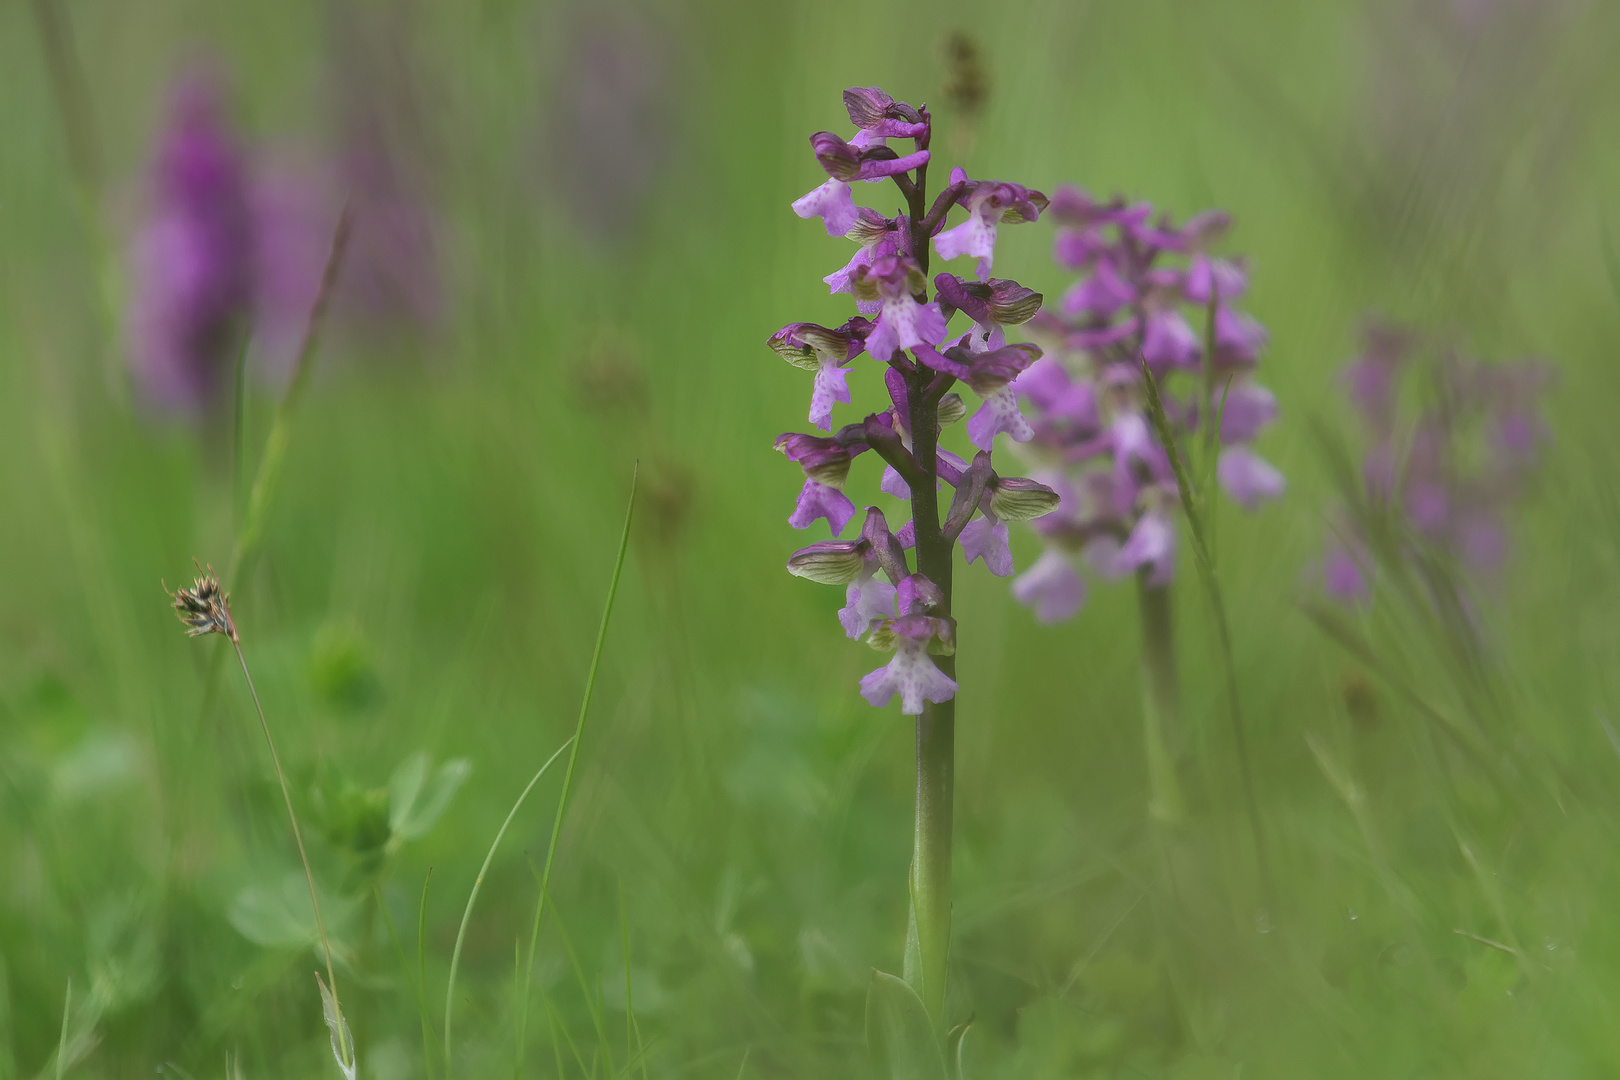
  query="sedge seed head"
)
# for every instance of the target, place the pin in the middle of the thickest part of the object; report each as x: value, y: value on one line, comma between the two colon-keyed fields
x: 205, y: 608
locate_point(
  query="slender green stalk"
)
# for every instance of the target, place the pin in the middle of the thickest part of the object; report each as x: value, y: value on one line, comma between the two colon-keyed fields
x: 303, y: 856
x: 238, y: 418
x: 632, y: 1030
x: 418, y: 988
x: 72, y: 96
x: 592, y: 995
x: 936, y: 747
x: 472, y: 898
x: 1217, y: 603
x: 268, y: 474
x: 1161, y: 700
x: 421, y: 974
x: 573, y: 759
x: 61, y: 1040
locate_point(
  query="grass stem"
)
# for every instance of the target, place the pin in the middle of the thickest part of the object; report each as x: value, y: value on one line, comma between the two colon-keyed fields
x: 472, y: 898
x: 346, y: 1051
x: 1217, y: 604
x: 573, y: 760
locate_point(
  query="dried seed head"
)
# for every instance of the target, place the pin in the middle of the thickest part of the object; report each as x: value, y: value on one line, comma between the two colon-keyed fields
x: 205, y: 608
x: 966, y: 84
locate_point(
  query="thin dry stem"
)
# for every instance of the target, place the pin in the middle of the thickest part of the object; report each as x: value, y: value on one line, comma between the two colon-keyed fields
x: 298, y: 837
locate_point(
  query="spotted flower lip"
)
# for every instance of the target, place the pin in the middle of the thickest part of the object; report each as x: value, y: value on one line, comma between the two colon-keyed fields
x: 894, y: 282
x: 989, y: 203
x: 825, y: 352
x: 914, y: 636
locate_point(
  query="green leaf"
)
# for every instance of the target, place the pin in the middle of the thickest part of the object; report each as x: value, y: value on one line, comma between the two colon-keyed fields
x: 913, y: 969
x: 899, y: 1034
x: 415, y: 803
x: 955, y: 1041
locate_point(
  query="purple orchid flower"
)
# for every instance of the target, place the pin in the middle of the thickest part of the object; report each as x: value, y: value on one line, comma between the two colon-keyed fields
x: 904, y: 329
x: 194, y: 261
x: 915, y: 637
x: 1145, y: 284
x: 1426, y: 488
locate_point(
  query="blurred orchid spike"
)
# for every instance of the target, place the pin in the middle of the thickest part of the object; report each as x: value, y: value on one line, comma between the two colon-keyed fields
x: 1145, y: 284
x: 1451, y: 445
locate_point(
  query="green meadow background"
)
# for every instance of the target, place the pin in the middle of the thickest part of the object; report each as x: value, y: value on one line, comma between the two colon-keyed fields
x: 440, y: 547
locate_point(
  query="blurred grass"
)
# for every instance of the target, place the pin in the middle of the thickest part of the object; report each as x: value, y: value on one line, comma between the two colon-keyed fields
x: 433, y: 568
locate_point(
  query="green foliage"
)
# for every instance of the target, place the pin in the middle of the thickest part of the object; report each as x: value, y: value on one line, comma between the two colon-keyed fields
x: 427, y: 581
x: 899, y: 1035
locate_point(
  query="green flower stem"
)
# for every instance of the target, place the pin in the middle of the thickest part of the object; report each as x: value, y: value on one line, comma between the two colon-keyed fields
x: 936, y: 743
x: 1161, y: 701
x: 931, y: 852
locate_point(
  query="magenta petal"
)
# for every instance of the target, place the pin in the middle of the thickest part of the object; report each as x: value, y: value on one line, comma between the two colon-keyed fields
x: 986, y: 538
x: 1247, y: 408
x: 998, y: 413
x: 1051, y: 587
x: 820, y: 501
x: 974, y: 237
x: 1151, y: 543
x: 1168, y: 342
x: 1248, y: 477
x: 1343, y: 577
x: 894, y: 484
x: 832, y: 384
x: 864, y: 601
x: 833, y: 202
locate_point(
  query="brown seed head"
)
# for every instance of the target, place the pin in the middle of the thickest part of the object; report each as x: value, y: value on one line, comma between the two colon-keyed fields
x: 205, y: 608
x: 966, y: 84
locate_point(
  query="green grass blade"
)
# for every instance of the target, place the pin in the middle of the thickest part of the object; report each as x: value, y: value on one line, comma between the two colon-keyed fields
x: 418, y: 987
x: 1217, y: 603
x: 421, y: 975
x: 472, y: 898
x: 573, y: 758
x: 61, y: 1041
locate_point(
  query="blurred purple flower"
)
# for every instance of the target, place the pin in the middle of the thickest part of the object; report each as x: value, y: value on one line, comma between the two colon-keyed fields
x: 379, y: 162
x: 1085, y: 399
x: 194, y: 260
x: 608, y: 115
x: 1452, y: 445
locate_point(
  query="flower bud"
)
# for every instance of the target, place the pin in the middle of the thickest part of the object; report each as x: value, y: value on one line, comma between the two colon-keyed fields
x: 1016, y: 498
x: 830, y: 562
x: 841, y: 160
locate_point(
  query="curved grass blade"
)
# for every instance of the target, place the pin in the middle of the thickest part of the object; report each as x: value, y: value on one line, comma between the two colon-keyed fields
x: 472, y: 898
